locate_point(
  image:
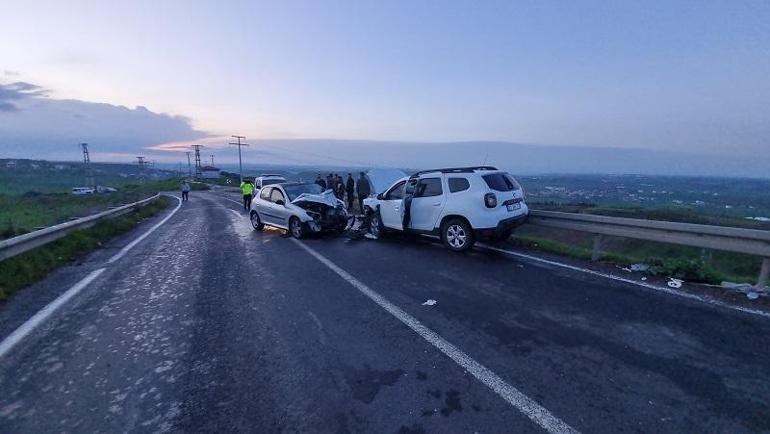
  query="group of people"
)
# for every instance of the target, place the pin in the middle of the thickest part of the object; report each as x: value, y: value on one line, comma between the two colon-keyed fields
x: 347, y: 189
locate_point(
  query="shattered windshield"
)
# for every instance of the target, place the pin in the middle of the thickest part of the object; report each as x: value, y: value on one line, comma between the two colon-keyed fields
x: 297, y: 189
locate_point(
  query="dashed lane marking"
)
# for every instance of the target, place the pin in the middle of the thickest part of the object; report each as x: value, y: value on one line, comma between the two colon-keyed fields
x: 534, y: 411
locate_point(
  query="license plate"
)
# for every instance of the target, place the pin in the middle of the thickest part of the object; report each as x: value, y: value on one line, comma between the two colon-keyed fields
x: 513, y: 206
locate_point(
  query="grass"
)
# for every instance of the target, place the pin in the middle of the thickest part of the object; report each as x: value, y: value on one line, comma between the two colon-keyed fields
x: 23, y: 213
x: 29, y: 267
x: 688, y: 263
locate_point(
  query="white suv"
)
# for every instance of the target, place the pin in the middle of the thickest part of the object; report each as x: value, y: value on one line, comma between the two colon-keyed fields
x: 458, y: 204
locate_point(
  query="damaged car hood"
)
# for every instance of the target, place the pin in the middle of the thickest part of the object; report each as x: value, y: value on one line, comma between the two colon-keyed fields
x: 325, y: 198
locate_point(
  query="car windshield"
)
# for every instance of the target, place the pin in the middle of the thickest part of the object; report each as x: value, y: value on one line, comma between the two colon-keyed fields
x: 297, y: 189
x: 501, y: 182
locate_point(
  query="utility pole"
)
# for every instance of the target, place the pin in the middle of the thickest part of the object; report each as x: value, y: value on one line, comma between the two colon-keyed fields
x: 90, y: 182
x: 198, y: 172
x: 212, y: 160
x: 239, y: 144
x: 142, y: 163
x: 189, y: 165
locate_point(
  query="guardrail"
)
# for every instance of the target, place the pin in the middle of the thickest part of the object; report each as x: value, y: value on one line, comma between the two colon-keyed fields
x: 22, y: 243
x: 749, y: 241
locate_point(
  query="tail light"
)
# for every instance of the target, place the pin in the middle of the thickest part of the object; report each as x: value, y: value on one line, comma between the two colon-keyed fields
x: 490, y: 200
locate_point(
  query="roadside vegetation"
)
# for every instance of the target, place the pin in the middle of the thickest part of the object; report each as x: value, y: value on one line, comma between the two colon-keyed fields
x: 688, y: 263
x: 22, y: 213
x: 29, y: 267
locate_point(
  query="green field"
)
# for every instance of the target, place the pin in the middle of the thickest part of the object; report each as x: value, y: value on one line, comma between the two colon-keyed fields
x: 29, y: 267
x: 22, y: 213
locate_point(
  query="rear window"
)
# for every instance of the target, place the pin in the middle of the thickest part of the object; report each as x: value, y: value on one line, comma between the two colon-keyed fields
x: 501, y: 182
x: 458, y: 184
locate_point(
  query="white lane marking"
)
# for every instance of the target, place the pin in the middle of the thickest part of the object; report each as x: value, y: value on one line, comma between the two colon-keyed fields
x: 682, y: 294
x: 232, y: 200
x: 238, y: 214
x: 131, y: 245
x: 513, y: 396
x: 31, y: 324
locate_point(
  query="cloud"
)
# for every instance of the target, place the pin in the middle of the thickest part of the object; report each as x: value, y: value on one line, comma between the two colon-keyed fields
x: 33, y: 125
x: 18, y: 91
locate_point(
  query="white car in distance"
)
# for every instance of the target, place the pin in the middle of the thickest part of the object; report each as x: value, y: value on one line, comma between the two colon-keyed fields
x: 458, y: 204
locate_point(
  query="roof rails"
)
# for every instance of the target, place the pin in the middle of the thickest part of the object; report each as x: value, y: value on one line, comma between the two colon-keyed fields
x: 470, y: 169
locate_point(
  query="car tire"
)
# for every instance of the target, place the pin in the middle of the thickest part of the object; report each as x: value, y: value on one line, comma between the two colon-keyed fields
x: 376, y: 227
x: 457, y: 235
x: 256, y: 222
x: 296, y: 228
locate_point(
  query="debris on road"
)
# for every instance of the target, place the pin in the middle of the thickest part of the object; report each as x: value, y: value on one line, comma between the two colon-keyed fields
x: 675, y: 283
x: 429, y: 302
x: 752, y: 293
x: 639, y: 268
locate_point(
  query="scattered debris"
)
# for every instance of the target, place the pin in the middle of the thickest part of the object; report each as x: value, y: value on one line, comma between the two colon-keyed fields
x: 639, y: 268
x: 429, y: 302
x: 675, y: 283
x: 752, y: 292
x: 644, y: 278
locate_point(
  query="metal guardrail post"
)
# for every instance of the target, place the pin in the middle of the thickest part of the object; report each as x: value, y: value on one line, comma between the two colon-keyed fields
x: 596, y: 251
x: 764, y: 273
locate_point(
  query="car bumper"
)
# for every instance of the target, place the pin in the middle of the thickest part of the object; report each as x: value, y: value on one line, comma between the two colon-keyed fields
x: 337, y: 222
x: 503, y: 226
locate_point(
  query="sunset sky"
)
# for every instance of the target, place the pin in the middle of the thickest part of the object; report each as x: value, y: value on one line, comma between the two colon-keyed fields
x: 689, y: 76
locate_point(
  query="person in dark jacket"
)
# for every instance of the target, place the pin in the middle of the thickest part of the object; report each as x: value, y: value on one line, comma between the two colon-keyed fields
x: 350, y: 188
x: 340, y: 188
x: 320, y: 181
x: 330, y: 182
x: 363, y: 189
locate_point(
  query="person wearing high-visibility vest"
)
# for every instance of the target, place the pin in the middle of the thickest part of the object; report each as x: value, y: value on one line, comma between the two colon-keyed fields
x: 247, y: 188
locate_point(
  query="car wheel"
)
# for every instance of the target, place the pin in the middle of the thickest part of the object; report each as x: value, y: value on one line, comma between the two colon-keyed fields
x: 375, y: 225
x: 256, y: 223
x: 296, y: 228
x: 457, y: 235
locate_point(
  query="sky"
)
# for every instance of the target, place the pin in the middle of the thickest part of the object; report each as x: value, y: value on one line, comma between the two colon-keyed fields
x: 149, y: 77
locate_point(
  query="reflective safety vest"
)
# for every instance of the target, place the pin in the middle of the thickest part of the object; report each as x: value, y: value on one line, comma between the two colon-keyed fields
x: 247, y: 188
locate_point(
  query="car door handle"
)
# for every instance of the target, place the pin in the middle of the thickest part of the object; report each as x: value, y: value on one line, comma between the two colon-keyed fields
x: 437, y: 204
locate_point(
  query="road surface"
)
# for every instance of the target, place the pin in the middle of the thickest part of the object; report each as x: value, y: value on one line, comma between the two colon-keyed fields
x: 207, y: 325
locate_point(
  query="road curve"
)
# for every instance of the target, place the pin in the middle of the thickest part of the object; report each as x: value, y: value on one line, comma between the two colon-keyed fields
x: 207, y: 325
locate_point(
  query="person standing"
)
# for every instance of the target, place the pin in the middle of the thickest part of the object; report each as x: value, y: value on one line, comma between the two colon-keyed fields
x: 185, y: 191
x: 330, y: 182
x: 350, y: 187
x: 320, y: 181
x: 364, y: 190
x: 247, y: 189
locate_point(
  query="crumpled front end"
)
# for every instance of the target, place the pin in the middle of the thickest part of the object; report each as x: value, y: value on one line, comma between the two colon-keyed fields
x: 326, y: 211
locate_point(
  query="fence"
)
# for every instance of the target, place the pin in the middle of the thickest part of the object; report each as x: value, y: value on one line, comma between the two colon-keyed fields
x: 749, y: 241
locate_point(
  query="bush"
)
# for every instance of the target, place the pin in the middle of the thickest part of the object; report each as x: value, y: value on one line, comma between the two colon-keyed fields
x: 691, y: 270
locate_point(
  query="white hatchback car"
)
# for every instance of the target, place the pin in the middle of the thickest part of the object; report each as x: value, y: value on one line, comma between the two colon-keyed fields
x: 458, y: 204
x: 298, y: 207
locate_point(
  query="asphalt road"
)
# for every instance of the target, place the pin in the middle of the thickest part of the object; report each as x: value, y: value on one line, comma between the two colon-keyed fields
x: 207, y: 325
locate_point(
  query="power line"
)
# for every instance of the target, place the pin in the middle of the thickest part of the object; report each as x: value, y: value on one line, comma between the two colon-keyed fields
x: 240, y: 161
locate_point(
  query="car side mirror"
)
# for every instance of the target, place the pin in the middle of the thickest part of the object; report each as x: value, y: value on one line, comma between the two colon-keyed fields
x: 280, y: 202
x: 379, y: 196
